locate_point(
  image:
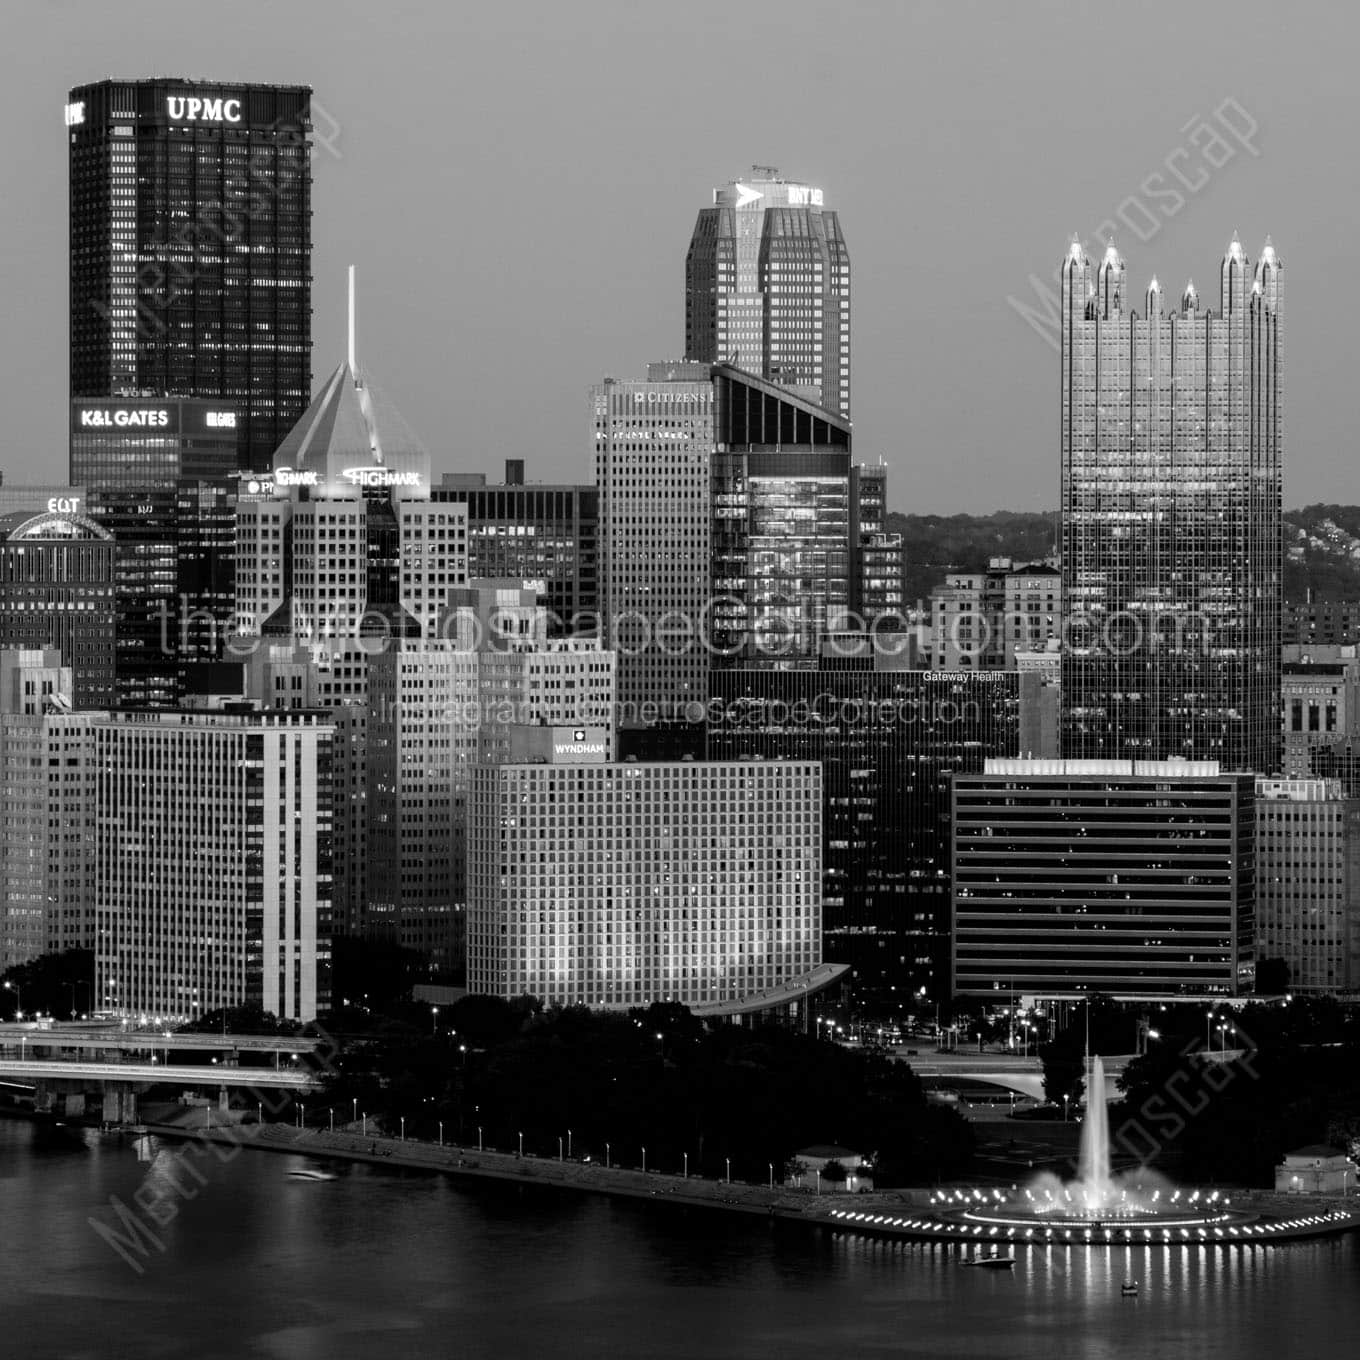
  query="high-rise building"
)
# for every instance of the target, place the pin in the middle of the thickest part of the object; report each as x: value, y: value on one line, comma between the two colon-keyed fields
x: 767, y: 287
x: 57, y: 573
x: 1307, y: 623
x: 190, y: 245
x: 47, y: 831
x: 160, y: 476
x: 439, y: 706
x: 540, y: 534
x: 889, y: 742
x: 1171, y: 519
x: 653, y: 460
x: 211, y: 861
x: 1307, y: 885
x: 619, y: 884
x: 1128, y: 878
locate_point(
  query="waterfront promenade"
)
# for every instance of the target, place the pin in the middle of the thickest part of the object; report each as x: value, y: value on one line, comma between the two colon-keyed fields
x: 902, y: 1213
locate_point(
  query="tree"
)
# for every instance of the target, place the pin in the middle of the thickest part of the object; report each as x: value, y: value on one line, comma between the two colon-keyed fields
x: 835, y: 1171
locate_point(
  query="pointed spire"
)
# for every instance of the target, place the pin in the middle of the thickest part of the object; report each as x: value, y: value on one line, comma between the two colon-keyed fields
x: 1074, y: 250
x: 1235, y: 246
x: 1190, y: 298
x: 351, y: 319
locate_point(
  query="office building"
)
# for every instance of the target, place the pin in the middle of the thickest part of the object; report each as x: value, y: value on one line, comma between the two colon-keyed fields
x: 57, y: 574
x: 1307, y: 623
x: 877, y: 593
x: 34, y: 497
x: 546, y: 535
x: 620, y: 884
x: 160, y: 475
x: 1171, y: 521
x: 1307, y: 886
x: 190, y: 249
x: 211, y: 864
x: 46, y: 833
x: 653, y: 457
x: 1127, y: 878
x: 767, y: 287
x: 437, y: 708
x: 889, y: 742
x: 1319, y: 706
x: 982, y: 619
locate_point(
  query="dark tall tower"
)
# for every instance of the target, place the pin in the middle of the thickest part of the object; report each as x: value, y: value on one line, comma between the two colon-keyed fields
x: 191, y: 248
x: 767, y: 287
x: 1171, y: 519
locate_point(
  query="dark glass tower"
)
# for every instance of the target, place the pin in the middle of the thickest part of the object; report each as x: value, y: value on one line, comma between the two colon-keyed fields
x: 190, y: 237
x: 1171, y: 520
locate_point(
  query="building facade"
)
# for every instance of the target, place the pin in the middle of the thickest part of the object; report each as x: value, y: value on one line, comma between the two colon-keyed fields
x: 539, y: 534
x: 767, y: 287
x: 615, y: 885
x: 160, y: 476
x: 981, y: 620
x: 889, y: 742
x: 1319, y: 706
x: 190, y: 248
x: 654, y: 443
x: 1308, y: 884
x: 211, y: 863
x: 1171, y: 520
x: 1135, y: 878
x: 57, y: 575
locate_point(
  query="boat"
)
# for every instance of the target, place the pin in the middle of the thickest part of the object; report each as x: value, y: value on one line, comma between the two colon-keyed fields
x: 1128, y: 1290
x: 307, y: 1173
x: 993, y: 1261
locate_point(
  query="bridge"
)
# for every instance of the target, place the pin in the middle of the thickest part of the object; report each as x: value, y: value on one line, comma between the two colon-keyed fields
x: 1020, y: 1074
x: 71, y: 1068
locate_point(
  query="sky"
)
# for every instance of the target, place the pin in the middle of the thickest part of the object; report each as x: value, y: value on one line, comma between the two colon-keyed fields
x: 517, y: 184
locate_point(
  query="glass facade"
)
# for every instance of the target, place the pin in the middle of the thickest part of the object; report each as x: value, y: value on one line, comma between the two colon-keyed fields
x: 889, y: 743
x: 190, y: 248
x: 1171, y: 518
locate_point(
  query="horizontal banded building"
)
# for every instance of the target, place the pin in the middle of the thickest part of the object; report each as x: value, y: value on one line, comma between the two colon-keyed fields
x: 1111, y: 876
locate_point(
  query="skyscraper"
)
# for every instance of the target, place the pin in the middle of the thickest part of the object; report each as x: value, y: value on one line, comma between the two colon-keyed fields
x: 190, y: 238
x: 1171, y: 548
x: 767, y: 287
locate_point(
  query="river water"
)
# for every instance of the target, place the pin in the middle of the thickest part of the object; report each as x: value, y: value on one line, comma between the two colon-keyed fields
x: 383, y: 1263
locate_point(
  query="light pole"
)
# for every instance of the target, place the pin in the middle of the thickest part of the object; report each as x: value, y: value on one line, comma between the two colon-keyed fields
x: 606, y: 1156
x: 729, y: 1171
x: 354, y: 1105
x: 771, y: 1166
x: 1066, y: 1097
x: 568, y: 1142
x: 434, y: 1019
x: 403, y: 1128
x: 521, y: 1143
x: 479, y: 1137
x: 819, y: 1180
x: 18, y: 999
x: 331, y: 1112
x: 686, y: 1166
x: 259, y: 1112
x: 644, y: 1161
x: 302, y: 1112
x: 441, y: 1133
x: 559, y: 1147
x: 365, y: 1124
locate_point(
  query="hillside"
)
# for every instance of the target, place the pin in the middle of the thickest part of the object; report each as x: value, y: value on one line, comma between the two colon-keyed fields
x: 1322, y: 547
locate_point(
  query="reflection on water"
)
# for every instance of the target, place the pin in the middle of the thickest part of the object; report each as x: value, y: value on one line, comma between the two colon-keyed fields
x: 252, y: 1263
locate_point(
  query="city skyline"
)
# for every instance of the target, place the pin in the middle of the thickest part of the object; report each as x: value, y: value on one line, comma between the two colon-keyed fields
x: 947, y: 242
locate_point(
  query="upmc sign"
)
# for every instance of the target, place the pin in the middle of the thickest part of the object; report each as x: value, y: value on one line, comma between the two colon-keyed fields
x: 129, y: 417
x: 183, y: 108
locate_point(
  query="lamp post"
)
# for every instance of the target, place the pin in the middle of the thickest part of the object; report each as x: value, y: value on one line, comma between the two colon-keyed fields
x: 479, y: 1137
x: 441, y: 1133
x: 568, y: 1142
x: 403, y: 1128
x: 354, y: 1105
x: 364, y: 1127
x: 771, y: 1166
x: 434, y: 1019
x: 686, y: 1156
x: 559, y: 1147
x: 18, y: 999
x: 1066, y: 1097
x: 729, y: 1171
x: 819, y: 1180
x: 302, y: 1113
x: 644, y: 1161
x: 259, y: 1112
x: 331, y: 1112
x: 521, y: 1143
x: 606, y: 1156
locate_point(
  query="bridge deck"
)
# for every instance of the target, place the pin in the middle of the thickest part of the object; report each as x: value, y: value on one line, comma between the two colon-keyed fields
x: 290, y: 1079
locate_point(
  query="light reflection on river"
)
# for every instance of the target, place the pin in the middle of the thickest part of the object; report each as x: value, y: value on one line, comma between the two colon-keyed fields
x: 389, y: 1263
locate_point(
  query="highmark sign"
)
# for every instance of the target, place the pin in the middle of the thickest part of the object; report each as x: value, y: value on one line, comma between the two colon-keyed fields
x: 380, y: 476
x: 286, y: 476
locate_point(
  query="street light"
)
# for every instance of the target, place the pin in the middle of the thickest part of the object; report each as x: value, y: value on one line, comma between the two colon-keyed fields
x: 331, y: 1112
x: 441, y: 1133
x: 729, y: 1171
x: 18, y: 999
x: 644, y: 1161
x: 568, y: 1142
x: 1066, y: 1097
x: 559, y: 1147
x: 434, y: 1019
x: 521, y: 1143
x: 479, y: 1137
x: 403, y: 1128
x: 771, y: 1166
x: 606, y: 1156
x: 354, y: 1102
x: 686, y: 1155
